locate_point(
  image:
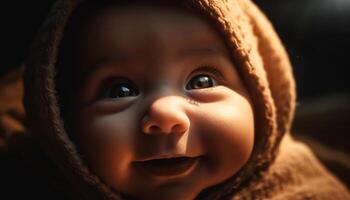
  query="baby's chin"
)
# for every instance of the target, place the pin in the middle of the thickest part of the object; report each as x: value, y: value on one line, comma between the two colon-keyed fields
x: 166, y: 192
x: 142, y: 186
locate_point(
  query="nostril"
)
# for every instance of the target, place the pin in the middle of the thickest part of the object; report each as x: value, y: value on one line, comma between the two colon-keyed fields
x: 154, y: 129
x: 178, y: 128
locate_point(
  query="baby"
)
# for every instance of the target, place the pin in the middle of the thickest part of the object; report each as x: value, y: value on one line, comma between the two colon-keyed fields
x: 161, y: 111
x: 168, y: 100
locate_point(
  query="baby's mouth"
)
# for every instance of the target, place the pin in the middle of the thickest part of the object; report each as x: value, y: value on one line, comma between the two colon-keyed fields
x: 167, y: 167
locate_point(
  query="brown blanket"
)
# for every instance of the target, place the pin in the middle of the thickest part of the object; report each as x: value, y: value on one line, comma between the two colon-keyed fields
x: 279, y: 168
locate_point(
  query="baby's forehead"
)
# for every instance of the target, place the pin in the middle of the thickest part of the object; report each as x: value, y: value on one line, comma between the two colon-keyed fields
x: 134, y: 31
x: 89, y: 9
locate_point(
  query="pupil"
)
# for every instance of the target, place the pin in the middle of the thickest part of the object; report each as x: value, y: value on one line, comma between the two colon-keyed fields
x: 124, y: 91
x: 203, y: 82
x: 200, y: 82
x: 121, y: 91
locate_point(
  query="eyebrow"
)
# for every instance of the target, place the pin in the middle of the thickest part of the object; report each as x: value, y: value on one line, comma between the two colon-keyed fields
x: 208, y: 51
x: 90, y: 69
x: 187, y: 53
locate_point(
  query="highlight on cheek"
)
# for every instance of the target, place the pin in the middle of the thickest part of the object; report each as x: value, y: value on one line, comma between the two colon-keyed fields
x: 193, y: 102
x: 210, y: 95
x: 187, y: 97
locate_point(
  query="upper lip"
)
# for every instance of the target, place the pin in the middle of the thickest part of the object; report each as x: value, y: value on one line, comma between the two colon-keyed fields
x: 166, y: 156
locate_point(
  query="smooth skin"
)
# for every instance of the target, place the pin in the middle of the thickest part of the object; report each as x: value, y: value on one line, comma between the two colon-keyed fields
x: 158, y: 82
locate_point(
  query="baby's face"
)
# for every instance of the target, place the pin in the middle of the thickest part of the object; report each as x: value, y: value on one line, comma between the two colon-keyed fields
x: 161, y: 112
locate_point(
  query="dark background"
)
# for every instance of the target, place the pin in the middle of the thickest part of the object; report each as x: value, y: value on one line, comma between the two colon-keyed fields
x: 315, y: 32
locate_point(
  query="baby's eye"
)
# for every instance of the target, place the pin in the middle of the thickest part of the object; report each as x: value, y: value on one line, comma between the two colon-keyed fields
x: 200, y: 82
x: 121, y: 90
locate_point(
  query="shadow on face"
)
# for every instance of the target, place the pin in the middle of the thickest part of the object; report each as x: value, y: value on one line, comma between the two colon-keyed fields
x: 159, y: 109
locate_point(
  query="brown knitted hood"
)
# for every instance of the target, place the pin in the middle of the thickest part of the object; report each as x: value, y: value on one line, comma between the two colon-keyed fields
x: 257, y: 52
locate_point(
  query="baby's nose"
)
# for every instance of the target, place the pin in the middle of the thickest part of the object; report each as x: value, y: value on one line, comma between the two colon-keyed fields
x: 165, y: 115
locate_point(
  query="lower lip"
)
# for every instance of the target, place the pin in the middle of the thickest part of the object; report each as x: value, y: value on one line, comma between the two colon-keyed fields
x: 169, y: 167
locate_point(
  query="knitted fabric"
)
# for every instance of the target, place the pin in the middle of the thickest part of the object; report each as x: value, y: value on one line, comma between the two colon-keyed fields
x: 276, y: 169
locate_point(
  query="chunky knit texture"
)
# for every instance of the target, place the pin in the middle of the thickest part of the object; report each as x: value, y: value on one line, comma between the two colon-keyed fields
x: 279, y: 168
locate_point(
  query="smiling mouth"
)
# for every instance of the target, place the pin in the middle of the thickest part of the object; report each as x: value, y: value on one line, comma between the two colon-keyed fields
x: 168, y: 167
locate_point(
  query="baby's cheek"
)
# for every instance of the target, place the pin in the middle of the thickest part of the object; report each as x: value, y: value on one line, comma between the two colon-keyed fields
x: 105, y: 129
x: 209, y: 95
x: 106, y: 142
x: 227, y: 131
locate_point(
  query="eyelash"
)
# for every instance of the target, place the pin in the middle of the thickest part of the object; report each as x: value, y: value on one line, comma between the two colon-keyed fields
x: 208, y: 70
x: 203, y: 70
x: 108, y: 83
